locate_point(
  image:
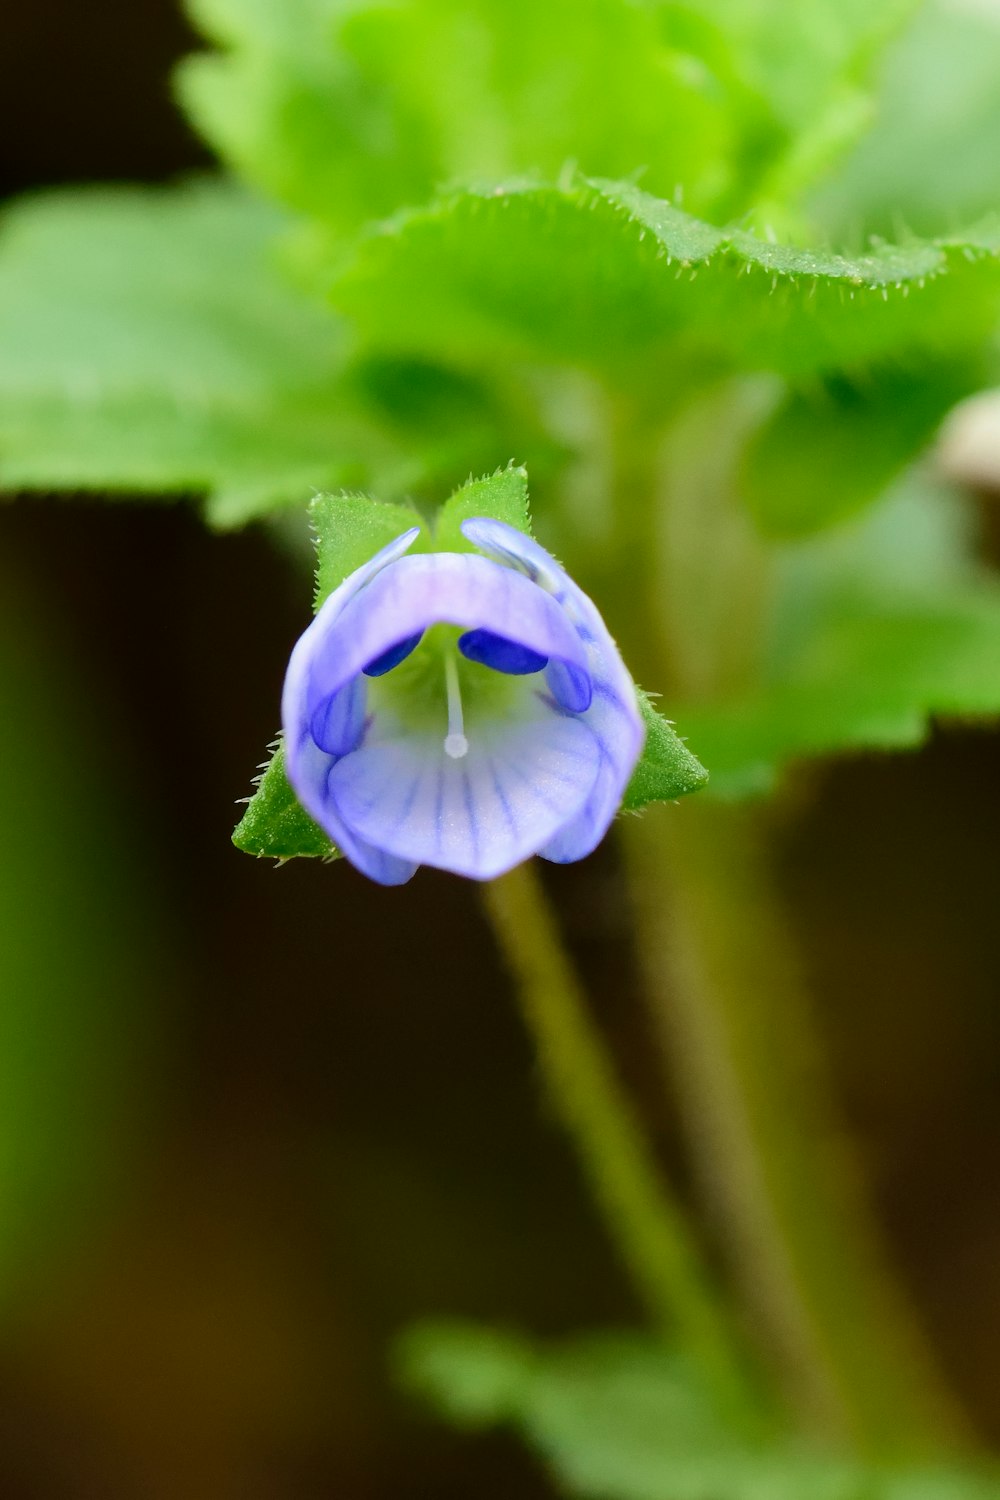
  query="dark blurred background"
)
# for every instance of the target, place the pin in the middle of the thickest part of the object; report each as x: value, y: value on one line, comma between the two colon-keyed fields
x: 253, y: 1122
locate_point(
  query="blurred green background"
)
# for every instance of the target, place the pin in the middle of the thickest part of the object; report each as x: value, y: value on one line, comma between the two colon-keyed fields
x: 230, y: 1175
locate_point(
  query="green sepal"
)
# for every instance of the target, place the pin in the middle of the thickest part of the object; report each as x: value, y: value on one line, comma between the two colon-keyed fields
x: 667, y: 769
x: 502, y: 496
x: 349, y: 530
x: 151, y: 343
x: 276, y: 825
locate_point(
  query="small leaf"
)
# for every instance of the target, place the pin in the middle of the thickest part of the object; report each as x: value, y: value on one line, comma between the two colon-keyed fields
x: 502, y: 496
x: 666, y: 768
x: 275, y: 825
x: 474, y: 1375
x: 619, y: 1417
x: 349, y: 530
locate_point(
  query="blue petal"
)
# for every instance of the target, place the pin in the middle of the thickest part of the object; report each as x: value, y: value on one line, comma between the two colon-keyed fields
x: 298, y: 702
x: 501, y: 654
x: 619, y: 744
x: 570, y: 687
x: 377, y: 864
x: 543, y: 782
x: 516, y: 550
x: 392, y: 658
x: 312, y: 767
x: 392, y: 605
x: 339, y: 722
x: 613, y: 715
x: 476, y: 816
x: 416, y: 592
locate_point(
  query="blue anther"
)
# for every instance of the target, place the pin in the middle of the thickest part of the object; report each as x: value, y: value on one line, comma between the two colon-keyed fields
x: 501, y: 654
x: 392, y: 658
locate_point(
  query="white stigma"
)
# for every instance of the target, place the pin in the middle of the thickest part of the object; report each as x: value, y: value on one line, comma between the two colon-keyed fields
x: 455, y: 744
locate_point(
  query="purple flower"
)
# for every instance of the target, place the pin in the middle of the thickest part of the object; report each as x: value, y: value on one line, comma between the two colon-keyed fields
x: 460, y: 710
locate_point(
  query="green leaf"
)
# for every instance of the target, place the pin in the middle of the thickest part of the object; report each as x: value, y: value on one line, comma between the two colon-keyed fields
x: 349, y: 530
x: 666, y: 769
x: 833, y: 446
x: 796, y: 58
x: 618, y: 1417
x: 873, y: 629
x: 149, y: 343
x: 476, y: 1376
x: 275, y: 825
x: 347, y: 111
x: 932, y: 158
x: 502, y: 496
x: 604, y: 276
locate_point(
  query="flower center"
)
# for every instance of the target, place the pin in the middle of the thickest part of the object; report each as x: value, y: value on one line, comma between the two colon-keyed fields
x: 455, y: 743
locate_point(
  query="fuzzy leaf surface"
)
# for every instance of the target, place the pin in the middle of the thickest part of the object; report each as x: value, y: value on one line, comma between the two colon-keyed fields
x: 346, y: 111
x: 604, y: 276
x: 149, y: 343
x: 275, y: 825
x: 502, y: 496
x: 349, y: 530
x: 666, y: 769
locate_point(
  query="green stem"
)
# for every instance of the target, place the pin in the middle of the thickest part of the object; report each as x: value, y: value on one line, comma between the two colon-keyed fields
x: 648, y: 1226
x: 726, y: 991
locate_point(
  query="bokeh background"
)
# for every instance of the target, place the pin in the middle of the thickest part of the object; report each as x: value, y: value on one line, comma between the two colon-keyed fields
x: 254, y: 1122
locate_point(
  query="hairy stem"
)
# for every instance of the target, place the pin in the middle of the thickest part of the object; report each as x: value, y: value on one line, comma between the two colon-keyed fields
x: 647, y: 1225
x: 778, y: 1171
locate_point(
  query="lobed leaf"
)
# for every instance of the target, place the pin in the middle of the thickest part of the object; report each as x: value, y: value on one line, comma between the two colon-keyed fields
x: 605, y: 276
x: 345, y: 111
x: 149, y: 343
